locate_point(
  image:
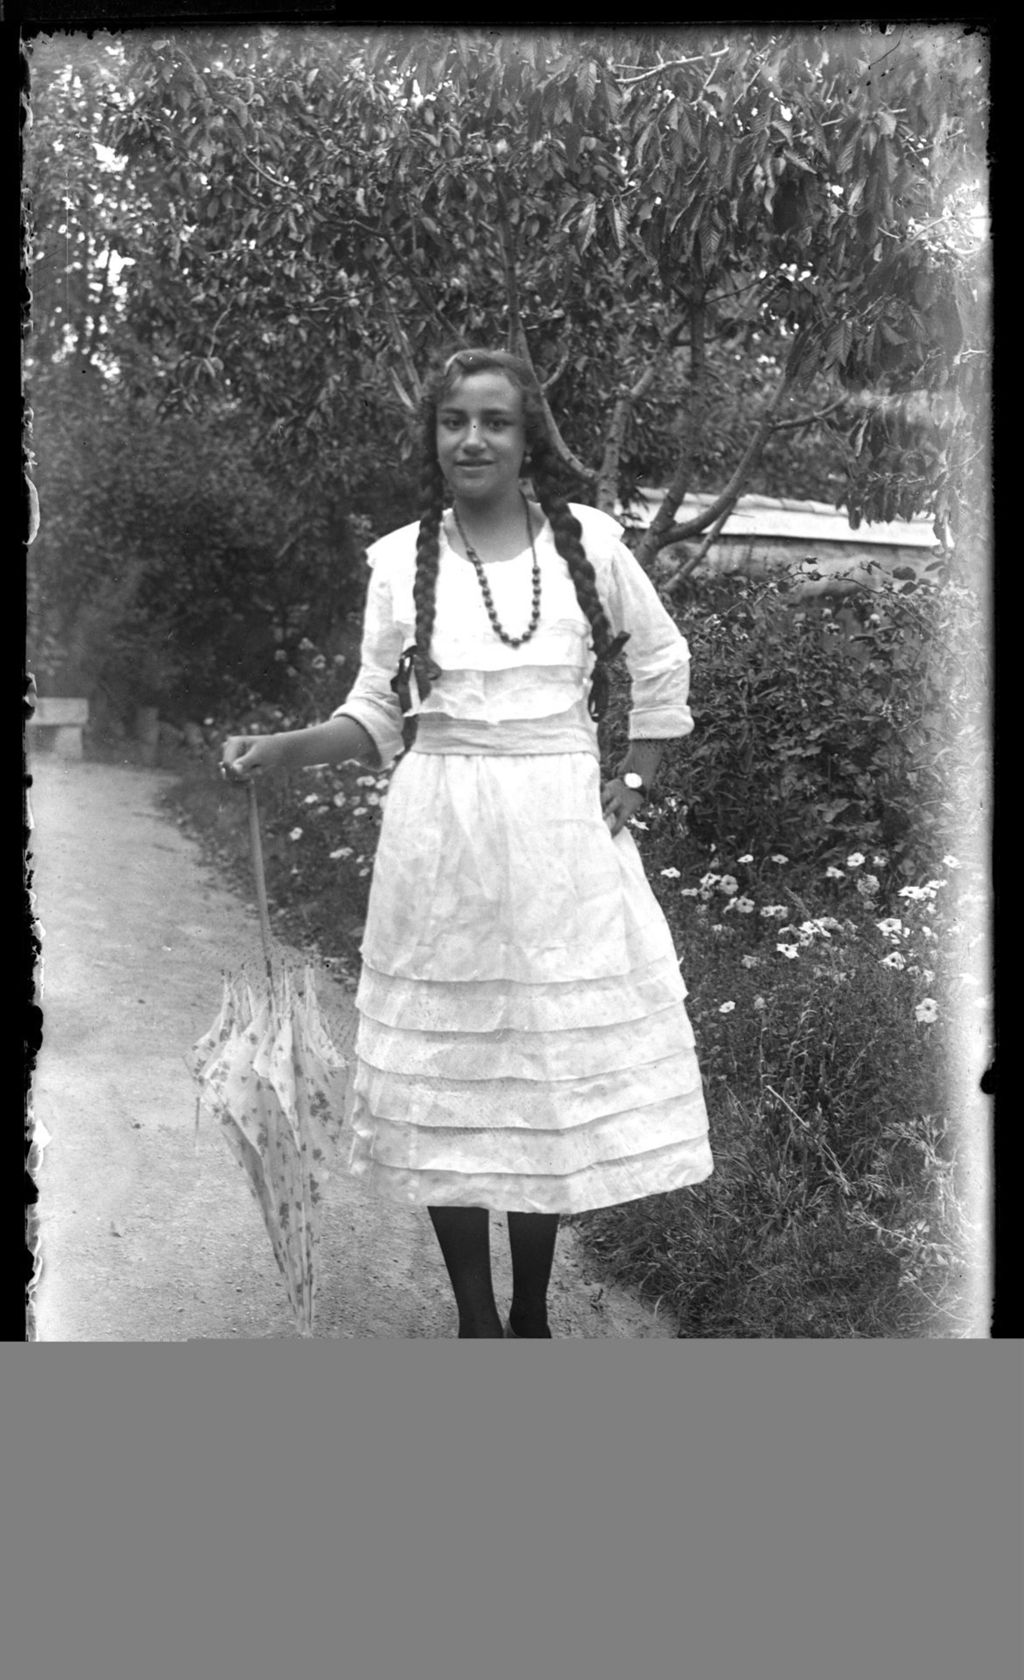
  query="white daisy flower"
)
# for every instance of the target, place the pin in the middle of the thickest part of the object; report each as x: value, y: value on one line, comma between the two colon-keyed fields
x: 779, y: 857
x: 726, y: 1008
x: 894, y: 960
x: 728, y: 884
x: 890, y: 926
x: 670, y: 874
x: 855, y: 860
x: 834, y: 874
x: 789, y: 951
x: 927, y: 1010
x: 296, y: 834
x: 748, y: 857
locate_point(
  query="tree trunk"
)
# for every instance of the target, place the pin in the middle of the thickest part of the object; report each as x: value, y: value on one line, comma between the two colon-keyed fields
x: 679, y: 483
x: 608, y: 472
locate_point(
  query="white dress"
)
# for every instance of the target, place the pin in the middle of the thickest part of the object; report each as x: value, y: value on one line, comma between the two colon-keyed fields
x: 523, y: 1043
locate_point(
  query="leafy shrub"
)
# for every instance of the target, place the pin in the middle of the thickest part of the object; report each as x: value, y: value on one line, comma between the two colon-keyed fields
x: 816, y: 730
x: 175, y: 555
x: 836, y: 1208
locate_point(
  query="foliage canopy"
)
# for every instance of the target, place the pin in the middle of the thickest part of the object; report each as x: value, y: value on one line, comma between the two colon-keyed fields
x: 716, y: 245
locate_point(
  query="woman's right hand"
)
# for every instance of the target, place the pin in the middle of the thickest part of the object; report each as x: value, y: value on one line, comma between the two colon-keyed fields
x: 244, y: 756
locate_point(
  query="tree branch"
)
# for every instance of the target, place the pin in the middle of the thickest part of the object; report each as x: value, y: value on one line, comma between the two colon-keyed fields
x: 519, y: 344
x: 808, y: 419
x: 404, y: 351
x: 716, y: 515
x: 608, y: 472
x: 656, y: 536
x: 647, y: 378
x: 553, y: 378
x: 672, y: 64
x: 580, y: 468
x: 273, y: 180
x: 516, y: 333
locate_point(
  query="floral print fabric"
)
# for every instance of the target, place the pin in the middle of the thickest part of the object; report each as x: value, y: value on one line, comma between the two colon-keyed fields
x: 269, y: 1073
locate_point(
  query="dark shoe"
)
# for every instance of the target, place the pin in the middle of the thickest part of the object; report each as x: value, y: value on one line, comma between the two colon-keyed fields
x: 509, y: 1332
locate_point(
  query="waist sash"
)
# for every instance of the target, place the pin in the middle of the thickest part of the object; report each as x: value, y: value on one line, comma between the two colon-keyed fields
x: 566, y: 732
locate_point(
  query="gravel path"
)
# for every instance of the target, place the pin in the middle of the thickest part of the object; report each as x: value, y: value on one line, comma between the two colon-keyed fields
x: 147, y: 1230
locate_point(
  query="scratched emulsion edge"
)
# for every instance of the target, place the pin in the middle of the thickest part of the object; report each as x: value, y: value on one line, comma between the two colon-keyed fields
x: 973, y: 1048
x: 970, y: 1047
x: 35, y: 1135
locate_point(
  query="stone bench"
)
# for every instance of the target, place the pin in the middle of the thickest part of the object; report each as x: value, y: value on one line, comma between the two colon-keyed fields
x: 58, y: 724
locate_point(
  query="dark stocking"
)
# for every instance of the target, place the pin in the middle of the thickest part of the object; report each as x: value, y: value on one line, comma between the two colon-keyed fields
x: 532, y: 1240
x: 465, y: 1239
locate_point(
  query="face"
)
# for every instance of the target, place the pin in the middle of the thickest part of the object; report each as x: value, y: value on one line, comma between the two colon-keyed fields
x: 481, y: 439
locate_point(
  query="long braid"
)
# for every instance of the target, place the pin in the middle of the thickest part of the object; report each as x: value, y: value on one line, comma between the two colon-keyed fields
x: 428, y: 560
x: 568, y: 535
x: 424, y: 591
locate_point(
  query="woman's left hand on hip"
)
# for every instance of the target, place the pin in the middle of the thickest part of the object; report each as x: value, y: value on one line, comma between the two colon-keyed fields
x: 619, y: 803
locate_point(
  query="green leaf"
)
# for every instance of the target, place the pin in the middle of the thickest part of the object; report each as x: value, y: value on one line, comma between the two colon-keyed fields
x: 586, y: 224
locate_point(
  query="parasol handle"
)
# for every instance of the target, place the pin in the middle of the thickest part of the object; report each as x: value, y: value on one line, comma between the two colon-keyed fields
x: 256, y: 846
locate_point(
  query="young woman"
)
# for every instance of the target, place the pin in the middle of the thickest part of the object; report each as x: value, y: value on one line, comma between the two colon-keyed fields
x: 523, y: 1042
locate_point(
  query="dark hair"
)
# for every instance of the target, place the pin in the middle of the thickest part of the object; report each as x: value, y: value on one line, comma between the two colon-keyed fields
x: 540, y: 462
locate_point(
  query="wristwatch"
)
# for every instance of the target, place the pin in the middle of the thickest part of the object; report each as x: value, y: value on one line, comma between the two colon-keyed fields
x: 634, y: 782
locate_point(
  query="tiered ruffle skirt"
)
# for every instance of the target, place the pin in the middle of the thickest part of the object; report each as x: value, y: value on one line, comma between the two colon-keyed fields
x: 523, y: 1041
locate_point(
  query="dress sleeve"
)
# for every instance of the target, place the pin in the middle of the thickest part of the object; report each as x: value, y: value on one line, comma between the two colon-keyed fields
x: 656, y: 653
x: 371, y: 701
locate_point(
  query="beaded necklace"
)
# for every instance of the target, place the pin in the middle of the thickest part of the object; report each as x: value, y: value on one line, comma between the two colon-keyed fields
x: 485, y: 588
